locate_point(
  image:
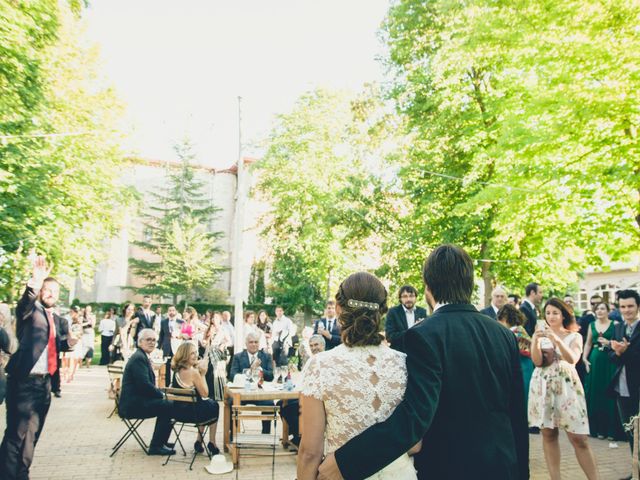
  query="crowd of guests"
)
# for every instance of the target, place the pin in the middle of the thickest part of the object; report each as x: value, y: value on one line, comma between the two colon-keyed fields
x: 580, y: 373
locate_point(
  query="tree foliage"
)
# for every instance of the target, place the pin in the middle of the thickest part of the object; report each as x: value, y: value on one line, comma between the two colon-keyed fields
x: 59, y: 193
x: 523, y: 122
x: 178, y: 236
x: 317, y: 175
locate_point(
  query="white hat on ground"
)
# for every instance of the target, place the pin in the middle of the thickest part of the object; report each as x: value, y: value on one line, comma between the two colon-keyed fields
x: 219, y: 464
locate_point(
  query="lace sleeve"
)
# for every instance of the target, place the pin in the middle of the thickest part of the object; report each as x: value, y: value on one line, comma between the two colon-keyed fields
x: 312, y: 383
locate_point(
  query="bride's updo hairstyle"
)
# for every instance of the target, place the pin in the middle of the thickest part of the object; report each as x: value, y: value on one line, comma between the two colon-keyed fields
x: 363, y: 301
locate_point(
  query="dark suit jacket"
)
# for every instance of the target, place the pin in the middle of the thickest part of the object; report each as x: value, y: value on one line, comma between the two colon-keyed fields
x: 144, y: 323
x: 138, y: 386
x: 489, y: 312
x: 396, y: 324
x: 335, y: 339
x: 164, y: 338
x: 629, y: 359
x: 241, y: 361
x: 532, y: 317
x: 464, y: 395
x: 32, y: 331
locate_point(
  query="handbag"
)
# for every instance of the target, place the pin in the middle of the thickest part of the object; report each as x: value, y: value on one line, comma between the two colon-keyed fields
x: 548, y: 356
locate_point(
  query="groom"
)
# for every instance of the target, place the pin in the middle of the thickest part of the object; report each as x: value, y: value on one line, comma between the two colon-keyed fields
x: 464, y: 395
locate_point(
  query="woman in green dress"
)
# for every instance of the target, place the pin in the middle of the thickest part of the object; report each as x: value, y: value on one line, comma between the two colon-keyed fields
x: 603, y: 420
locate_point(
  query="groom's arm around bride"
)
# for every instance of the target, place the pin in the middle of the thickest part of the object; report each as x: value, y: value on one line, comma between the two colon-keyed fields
x: 464, y: 395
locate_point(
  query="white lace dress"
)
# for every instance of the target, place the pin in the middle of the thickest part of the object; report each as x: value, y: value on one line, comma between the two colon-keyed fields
x: 359, y: 386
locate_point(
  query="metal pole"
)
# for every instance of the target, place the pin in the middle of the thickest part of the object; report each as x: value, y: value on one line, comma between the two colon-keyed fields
x: 237, y: 247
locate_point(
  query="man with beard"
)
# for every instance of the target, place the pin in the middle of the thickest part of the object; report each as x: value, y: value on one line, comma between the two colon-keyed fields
x: 402, y: 317
x: 42, y: 335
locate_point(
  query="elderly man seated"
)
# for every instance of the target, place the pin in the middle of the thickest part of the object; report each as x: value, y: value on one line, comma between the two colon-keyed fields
x: 140, y: 398
x: 291, y: 411
x: 251, y: 359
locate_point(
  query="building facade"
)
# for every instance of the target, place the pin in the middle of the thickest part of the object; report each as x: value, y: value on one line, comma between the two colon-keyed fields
x: 113, y: 276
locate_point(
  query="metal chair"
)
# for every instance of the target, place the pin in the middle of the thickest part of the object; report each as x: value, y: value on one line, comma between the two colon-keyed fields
x: 189, y: 396
x: 254, y: 442
x: 115, y: 381
x: 115, y: 376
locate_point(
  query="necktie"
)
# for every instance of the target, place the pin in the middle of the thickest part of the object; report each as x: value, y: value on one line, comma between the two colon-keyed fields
x: 629, y: 331
x: 52, y: 354
x: 330, y: 325
x: 252, y: 359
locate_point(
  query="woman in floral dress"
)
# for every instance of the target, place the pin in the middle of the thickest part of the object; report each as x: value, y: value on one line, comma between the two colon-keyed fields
x: 556, y: 396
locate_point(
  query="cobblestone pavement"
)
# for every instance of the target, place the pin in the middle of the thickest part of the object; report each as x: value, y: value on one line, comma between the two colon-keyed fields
x: 78, y: 437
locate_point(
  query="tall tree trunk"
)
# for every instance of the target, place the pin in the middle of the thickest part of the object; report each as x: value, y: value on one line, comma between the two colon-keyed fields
x: 327, y: 297
x: 487, y: 276
x: 308, y: 314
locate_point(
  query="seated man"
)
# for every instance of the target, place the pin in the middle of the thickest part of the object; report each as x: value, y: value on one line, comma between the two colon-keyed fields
x: 252, y: 358
x: 140, y: 398
x: 291, y: 411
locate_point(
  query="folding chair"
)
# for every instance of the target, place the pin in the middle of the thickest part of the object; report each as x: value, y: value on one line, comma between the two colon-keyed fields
x: 132, y: 424
x: 115, y: 381
x: 132, y: 431
x: 240, y: 413
x: 189, y: 396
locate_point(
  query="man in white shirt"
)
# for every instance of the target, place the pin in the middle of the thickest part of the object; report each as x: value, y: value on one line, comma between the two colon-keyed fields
x: 498, y: 300
x: 42, y: 335
x: 282, y: 328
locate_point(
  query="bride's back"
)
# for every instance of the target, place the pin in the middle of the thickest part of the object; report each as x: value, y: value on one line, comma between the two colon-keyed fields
x: 360, y: 386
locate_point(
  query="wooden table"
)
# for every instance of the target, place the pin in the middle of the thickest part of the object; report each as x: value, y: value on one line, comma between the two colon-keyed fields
x: 238, y: 395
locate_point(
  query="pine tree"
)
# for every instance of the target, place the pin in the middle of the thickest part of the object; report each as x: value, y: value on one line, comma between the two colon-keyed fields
x: 178, y: 234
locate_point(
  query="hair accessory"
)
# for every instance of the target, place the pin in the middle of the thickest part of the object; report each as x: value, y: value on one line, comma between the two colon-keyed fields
x: 360, y: 304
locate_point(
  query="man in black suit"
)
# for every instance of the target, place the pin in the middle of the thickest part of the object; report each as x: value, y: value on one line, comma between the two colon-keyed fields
x: 403, y: 316
x: 167, y: 326
x: 328, y: 326
x: 530, y: 304
x: 145, y: 316
x: 498, y: 300
x: 42, y: 335
x: 252, y: 358
x: 464, y: 385
x: 625, y: 353
x: 140, y: 398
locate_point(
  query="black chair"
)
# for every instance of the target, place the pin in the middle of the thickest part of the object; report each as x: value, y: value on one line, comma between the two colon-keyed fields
x: 132, y: 424
x: 189, y: 396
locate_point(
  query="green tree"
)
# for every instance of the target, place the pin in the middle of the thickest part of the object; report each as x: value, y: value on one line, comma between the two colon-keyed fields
x: 257, y: 291
x: 523, y: 125
x: 59, y: 154
x: 320, y: 175
x: 179, y: 237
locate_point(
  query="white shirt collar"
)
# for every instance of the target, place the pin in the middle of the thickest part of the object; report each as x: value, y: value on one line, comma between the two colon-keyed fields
x: 406, y: 310
x: 438, y: 305
x: 495, y: 309
x: 530, y: 303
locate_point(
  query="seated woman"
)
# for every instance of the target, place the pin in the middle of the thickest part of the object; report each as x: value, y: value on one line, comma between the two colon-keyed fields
x: 187, y: 373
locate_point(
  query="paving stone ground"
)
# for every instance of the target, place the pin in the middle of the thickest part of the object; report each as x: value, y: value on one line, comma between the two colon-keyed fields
x: 78, y: 437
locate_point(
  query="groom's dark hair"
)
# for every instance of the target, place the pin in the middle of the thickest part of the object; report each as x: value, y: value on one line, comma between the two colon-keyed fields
x: 448, y: 272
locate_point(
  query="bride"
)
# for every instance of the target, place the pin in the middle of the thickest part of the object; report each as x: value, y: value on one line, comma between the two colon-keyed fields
x: 355, y: 385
